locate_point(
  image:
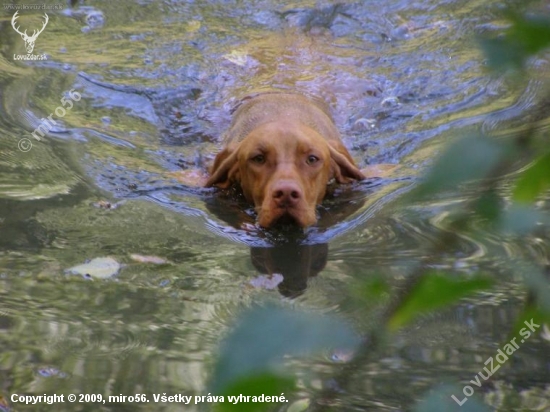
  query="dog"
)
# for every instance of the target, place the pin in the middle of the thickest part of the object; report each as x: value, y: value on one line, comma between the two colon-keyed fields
x: 283, y: 149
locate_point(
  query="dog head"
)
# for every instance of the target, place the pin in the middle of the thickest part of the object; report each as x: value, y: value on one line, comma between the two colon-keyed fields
x: 283, y: 169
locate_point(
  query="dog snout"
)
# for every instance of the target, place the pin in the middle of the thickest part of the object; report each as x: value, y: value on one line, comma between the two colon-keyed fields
x: 286, y: 194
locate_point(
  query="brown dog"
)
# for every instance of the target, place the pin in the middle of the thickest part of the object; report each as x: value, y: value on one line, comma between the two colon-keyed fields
x: 283, y: 149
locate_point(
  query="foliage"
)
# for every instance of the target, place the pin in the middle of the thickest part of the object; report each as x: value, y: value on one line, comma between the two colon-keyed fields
x: 534, y: 180
x: 275, y: 332
x: 433, y: 291
x: 526, y: 36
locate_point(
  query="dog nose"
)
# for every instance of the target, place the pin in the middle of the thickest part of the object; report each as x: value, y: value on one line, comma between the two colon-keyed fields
x: 286, y: 193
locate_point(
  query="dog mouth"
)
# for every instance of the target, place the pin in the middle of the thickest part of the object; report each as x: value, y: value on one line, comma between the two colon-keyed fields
x: 286, y: 217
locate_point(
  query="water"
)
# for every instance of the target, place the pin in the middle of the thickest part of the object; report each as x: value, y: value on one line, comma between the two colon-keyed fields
x: 157, y: 82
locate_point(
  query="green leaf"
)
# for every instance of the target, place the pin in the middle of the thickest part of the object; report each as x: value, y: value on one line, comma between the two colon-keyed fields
x: 531, y: 32
x: 372, y: 289
x: 441, y: 399
x: 256, y: 385
x: 433, y: 291
x: 263, y: 336
x: 466, y: 159
x: 533, y: 181
x: 526, y: 37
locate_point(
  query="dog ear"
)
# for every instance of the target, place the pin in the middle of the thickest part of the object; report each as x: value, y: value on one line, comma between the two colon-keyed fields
x: 343, y: 166
x: 225, y: 169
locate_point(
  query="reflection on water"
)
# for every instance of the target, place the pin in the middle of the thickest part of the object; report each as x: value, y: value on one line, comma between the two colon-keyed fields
x: 296, y: 263
x: 158, y: 81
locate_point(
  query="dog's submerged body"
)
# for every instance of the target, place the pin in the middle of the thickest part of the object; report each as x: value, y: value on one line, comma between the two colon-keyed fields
x: 283, y: 149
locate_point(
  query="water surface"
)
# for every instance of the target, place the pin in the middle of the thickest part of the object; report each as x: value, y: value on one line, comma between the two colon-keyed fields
x: 158, y: 81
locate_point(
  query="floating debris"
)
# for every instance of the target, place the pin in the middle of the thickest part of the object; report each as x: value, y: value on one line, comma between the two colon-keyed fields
x: 237, y: 57
x: 148, y: 259
x: 193, y: 26
x: 100, y: 268
x: 105, y: 204
x: 268, y: 282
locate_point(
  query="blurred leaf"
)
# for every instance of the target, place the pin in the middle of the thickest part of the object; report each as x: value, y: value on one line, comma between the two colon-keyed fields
x: 536, y: 280
x: 256, y: 385
x: 263, y: 336
x: 372, y: 289
x: 488, y: 206
x: 435, y: 290
x: 100, y: 268
x: 532, y: 32
x: 521, y: 219
x: 502, y: 54
x: 534, y: 180
x: 441, y: 399
x: 530, y: 313
x: 526, y: 37
x: 468, y: 158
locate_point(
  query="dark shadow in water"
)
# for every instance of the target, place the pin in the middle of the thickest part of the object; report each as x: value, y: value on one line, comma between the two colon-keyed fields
x: 296, y: 263
x: 294, y: 254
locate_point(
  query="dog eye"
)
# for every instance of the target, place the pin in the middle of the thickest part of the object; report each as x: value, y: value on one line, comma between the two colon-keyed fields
x: 312, y: 159
x: 258, y: 159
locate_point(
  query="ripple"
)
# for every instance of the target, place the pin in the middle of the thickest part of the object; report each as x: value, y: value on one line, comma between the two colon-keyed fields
x: 520, y: 113
x: 116, y: 342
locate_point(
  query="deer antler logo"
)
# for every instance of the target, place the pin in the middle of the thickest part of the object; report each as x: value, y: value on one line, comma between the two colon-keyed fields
x: 29, y: 40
